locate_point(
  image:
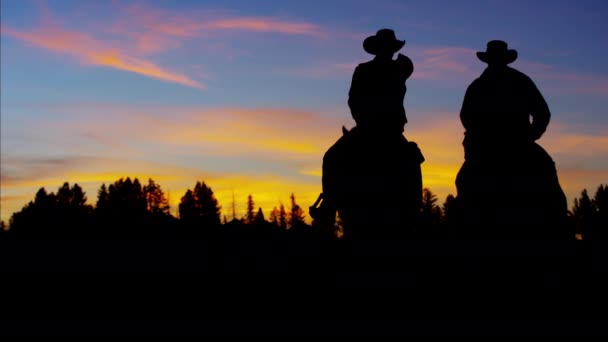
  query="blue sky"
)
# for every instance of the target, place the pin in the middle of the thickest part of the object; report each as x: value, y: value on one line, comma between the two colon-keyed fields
x: 248, y: 95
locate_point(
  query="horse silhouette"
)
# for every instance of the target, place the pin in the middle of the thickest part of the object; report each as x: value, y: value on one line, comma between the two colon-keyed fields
x: 373, y: 183
x: 515, y: 195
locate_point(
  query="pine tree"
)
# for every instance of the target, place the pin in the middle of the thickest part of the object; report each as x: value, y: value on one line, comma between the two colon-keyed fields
x: 3, y: 230
x: 583, y: 212
x: 274, y: 216
x: 156, y: 201
x: 600, y: 203
x: 250, y: 216
x: 259, y: 217
x: 64, y: 195
x: 449, y: 209
x: 126, y: 201
x: 296, y: 216
x: 430, y: 213
x: 64, y: 215
x: 79, y: 197
x: 187, y: 207
x: 103, y: 198
x: 200, y: 207
x: 282, y: 217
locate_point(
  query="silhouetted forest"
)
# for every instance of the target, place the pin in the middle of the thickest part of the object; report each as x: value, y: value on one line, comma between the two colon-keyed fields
x: 274, y: 268
x: 127, y: 209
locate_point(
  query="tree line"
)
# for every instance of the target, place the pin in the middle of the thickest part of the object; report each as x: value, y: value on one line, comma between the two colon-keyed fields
x: 128, y: 208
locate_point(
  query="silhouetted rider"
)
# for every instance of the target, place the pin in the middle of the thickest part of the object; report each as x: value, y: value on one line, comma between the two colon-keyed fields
x: 498, y: 105
x: 375, y: 152
x: 503, y: 114
x: 378, y: 86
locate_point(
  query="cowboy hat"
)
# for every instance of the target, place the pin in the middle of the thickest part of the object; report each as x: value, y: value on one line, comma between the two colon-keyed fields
x: 497, y: 53
x: 383, y: 42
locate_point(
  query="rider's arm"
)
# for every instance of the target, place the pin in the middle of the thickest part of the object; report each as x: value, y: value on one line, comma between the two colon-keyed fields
x: 355, y: 95
x: 466, y: 111
x: 406, y: 67
x: 539, y: 110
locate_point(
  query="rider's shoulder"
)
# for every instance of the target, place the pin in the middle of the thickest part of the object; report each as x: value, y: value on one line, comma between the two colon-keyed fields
x: 476, y: 84
x: 513, y: 71
x: 367, y: 64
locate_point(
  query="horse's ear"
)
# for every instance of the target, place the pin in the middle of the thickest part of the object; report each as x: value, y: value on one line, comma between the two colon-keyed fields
x: 344, y: 130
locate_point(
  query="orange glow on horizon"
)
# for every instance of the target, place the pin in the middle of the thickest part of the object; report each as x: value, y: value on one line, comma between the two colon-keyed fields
x: 267, y: 191
x: 259, y: 137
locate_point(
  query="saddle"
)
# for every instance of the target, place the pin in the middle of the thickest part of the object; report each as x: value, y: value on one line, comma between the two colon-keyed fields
x: 346, y: 150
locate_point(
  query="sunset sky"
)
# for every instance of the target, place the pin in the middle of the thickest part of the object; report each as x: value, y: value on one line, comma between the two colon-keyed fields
x: 248, y: 95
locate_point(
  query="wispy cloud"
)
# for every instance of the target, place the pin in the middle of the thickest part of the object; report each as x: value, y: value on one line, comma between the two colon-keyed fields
x: 264, y: 24
x: 90, y: 51
x: 229, y: 131
x: 561, y: 82
x: 33, y: 171
x: 138, y: 32
x: 582, y: 149
x: 328, y: 70
x: 444, y: 63
x: 204, y: 22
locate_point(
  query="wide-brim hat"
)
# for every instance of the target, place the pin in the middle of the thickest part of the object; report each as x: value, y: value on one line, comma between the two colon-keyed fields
x: 497, y: 52
x: 384, y: 41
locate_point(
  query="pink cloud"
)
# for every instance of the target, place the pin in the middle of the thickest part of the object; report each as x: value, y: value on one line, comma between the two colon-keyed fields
x: 579, y: 146
x: 139, y: 31
x: 263, y: 24
x: 562, y: 82
x: 444, y: 63
x: 199, y: 23
x: 325, y: 71
x: 90, y: 51
x: 155, y: 30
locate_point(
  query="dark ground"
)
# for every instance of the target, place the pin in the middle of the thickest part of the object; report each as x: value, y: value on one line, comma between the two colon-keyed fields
x: 302, y: 288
